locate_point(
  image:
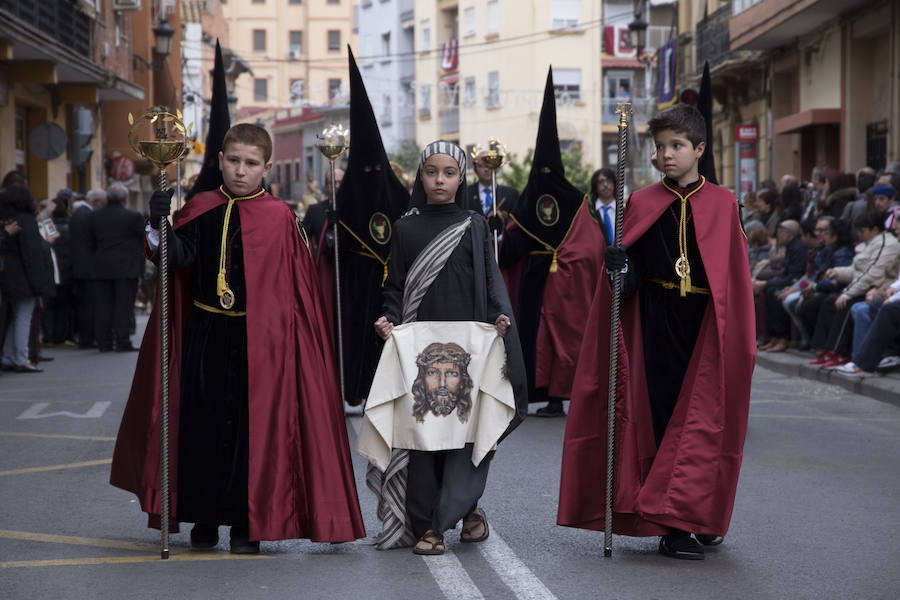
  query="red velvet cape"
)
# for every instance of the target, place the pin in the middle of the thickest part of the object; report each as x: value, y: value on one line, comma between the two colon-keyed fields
x: 301, y: 481
x: 567, y: 293
x: 689, y: 482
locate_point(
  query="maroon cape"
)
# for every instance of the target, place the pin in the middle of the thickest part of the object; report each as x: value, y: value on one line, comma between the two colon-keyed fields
x: 689, y: 482
x: 567, y: 293
x: 300, y: 475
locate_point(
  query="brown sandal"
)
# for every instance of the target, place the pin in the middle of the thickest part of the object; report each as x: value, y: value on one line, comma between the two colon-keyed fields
x: 433, y: 539
x: 470, y: 523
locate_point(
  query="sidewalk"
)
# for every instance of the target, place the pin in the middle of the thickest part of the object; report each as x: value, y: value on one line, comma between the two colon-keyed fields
x: 884, y: 386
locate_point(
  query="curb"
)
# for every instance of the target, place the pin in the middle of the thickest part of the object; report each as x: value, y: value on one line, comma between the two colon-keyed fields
x: 882, y: 387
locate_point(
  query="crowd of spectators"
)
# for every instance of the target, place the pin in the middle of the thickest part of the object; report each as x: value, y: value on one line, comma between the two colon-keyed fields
x: 825, y: 262
x: 69, y: 271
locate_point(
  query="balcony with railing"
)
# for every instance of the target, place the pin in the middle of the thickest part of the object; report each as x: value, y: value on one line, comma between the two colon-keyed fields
x: 58, y: 19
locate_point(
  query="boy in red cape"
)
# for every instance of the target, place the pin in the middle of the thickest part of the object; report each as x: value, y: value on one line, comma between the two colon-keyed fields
x: 686, y: 354
x: 256, y: 421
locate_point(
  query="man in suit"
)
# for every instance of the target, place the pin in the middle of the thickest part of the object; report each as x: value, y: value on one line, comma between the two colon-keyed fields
x: 480, y: 198
x: 118, y: 235
x: 82, y: 255
x: 603, y: 201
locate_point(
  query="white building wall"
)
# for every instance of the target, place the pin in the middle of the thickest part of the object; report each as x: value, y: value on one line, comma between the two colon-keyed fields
x: 386, y: 62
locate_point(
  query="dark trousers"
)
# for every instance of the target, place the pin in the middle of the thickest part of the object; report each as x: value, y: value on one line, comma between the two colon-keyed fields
x: 58, y: 315
x: 84, y: 311
x: 777, y: 321
x: 884, y: 331
x: 114, y: 310
x: 808, y: 310
x: 443, y: 487
x: 834, y: 326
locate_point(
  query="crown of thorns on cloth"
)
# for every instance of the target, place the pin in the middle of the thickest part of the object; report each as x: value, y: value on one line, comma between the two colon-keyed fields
x: 438, y: 352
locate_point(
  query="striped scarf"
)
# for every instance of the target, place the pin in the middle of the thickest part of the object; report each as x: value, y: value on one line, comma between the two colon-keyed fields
x: 390, y: 487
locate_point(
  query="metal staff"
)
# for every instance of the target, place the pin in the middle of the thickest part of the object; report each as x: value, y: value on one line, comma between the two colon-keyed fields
x: 493, y: 159
x: 623, y: 109
x: 332, y: 142
x: 162, y: 151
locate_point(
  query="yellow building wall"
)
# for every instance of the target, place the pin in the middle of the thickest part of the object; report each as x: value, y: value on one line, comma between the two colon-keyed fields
x: 820, y: 71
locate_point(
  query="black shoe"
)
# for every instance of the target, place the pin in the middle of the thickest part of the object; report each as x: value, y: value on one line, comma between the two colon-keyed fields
x: 240, y: 541
x: 43, y: 358
x: 126, y: 348
x: 680, y: 545
x: 204, y: 536
x: 709, y: 540
x: 553, y: 409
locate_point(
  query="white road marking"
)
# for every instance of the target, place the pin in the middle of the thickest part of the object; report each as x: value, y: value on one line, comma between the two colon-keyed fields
x: 512, y: 571
x: 35, y: 412
x: 452, y: 578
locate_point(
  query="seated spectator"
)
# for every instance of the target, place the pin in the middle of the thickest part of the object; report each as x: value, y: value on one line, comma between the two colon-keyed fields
x: 789, y: 238
x: 758, y: 246
x: 770, y: 210
x: 751, y: 208
x: 791, y: 201
x: 839, y: 191
x: 876, y: 325
x: 877, y: 250
x: 865, y: 180
x: 805, y: 297
x: 884, y: 198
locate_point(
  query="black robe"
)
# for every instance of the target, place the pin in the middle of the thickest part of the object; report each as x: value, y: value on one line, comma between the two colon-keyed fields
x: 213, y: 452
x: 468, y: 288
x: 665, y: 314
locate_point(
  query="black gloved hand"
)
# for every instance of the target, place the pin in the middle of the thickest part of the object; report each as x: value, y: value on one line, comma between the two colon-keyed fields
x: 617, y: 258
x: 495, y: 223
x: 160, y: 205
x: 332, y: 217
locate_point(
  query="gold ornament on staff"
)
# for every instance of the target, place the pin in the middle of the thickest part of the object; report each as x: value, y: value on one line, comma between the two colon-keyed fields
x: 492, y: 159
x: 161, y: 137
x: 332, y: 142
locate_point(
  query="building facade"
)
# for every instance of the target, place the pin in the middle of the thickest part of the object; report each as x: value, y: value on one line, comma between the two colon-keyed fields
x: 297, y: 50
x: 387, y: 63
x: 63, y: 65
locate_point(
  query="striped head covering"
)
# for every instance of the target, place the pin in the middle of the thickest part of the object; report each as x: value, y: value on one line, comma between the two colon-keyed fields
x: 449, y: 148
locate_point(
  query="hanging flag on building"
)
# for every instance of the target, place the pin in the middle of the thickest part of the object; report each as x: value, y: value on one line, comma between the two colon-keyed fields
x: 450, y: 55
x: 617, y: 42
x: 666, y: 91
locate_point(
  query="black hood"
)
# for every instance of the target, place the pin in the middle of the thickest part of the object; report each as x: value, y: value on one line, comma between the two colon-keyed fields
x: 210, y: 176
x: 370, y: 192
x: 549, y: 201
x: 707, y: 164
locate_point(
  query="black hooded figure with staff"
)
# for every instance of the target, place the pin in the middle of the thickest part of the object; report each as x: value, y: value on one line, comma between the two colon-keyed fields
x: 370, y: 199
x: 550, y: 260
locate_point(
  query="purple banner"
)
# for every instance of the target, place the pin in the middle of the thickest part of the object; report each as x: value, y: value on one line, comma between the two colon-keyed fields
x: 667, y: 87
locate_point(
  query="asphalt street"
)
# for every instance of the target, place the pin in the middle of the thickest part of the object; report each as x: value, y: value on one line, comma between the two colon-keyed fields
x: 816, y: 501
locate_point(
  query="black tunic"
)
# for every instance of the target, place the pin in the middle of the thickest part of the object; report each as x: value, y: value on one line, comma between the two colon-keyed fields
x: 444, y: 486
x: 665, y: 314
x: 213, y: 447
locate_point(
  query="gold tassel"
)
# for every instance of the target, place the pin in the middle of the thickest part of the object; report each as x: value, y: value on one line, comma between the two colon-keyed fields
x: 384, y: 277
x: 553, y: 263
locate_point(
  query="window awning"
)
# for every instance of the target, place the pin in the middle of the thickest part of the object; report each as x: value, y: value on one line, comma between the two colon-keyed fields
x: 808, y: 118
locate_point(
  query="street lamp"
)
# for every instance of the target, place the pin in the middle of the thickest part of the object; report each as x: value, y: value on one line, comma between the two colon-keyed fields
x: 163, y: 35
x: 637, y: 30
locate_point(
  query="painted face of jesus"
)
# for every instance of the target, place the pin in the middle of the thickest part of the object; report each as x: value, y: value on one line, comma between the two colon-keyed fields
x: 441, y: 385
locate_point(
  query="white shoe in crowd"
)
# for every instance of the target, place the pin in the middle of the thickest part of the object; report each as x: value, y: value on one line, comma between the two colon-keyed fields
x: 851, y: 369
x: 889, y: 362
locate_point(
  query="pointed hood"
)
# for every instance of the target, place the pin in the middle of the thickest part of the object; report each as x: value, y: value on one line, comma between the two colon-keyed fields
x: 210, y: 177
x: 371, y: 197
x: 549, y: 201
x: 707, y: 163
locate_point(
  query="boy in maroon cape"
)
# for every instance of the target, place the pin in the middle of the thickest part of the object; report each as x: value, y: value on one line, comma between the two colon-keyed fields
x: 685, y: 354
x: 256, y: 420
